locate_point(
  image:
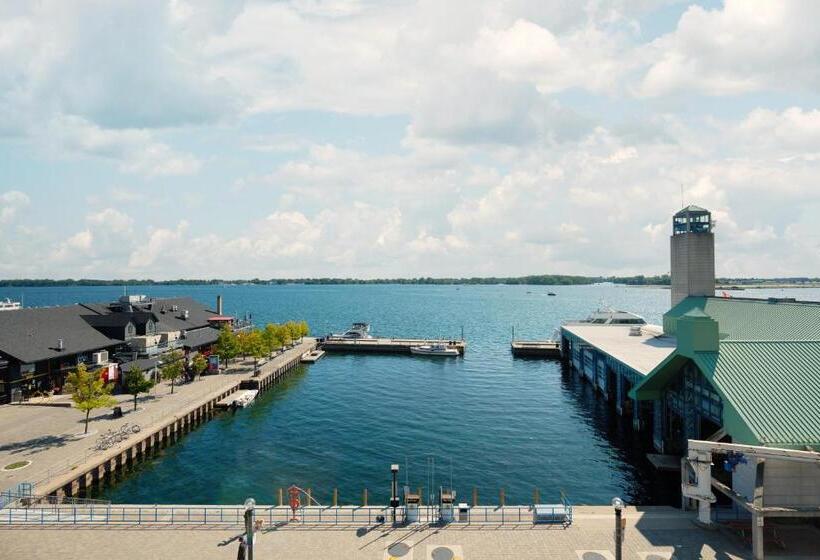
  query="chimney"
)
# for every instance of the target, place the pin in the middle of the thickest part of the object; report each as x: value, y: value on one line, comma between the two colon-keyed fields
x: 219, y: 305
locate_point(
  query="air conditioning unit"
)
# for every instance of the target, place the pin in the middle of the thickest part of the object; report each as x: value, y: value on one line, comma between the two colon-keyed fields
x: 99, y: 358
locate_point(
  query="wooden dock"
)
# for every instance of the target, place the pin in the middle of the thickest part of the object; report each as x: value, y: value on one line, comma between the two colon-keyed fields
x: 536, y: 348
x: 385, y: 345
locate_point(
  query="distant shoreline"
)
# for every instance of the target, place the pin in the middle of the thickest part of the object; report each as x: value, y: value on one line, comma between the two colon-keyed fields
x: 661, y: 281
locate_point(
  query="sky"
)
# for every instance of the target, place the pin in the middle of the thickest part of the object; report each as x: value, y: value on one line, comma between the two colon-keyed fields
x: 399, y: 138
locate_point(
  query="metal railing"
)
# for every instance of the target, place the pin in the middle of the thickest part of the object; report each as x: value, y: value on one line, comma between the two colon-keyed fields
x: 108, y: 514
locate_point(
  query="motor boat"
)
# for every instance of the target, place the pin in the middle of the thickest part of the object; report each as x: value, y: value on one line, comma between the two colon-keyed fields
x: 9, y: 305
x: 357, y: 331
x: 609, y: 316
x: 434, y: 350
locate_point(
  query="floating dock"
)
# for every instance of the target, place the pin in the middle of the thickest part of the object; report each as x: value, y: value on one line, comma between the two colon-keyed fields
x: 312, y: 357
x: 536, y: 348
x: 385, y: 345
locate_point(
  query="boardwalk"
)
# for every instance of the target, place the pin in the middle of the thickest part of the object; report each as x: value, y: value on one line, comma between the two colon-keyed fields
x: 659, y: 531
x: 51, y: 437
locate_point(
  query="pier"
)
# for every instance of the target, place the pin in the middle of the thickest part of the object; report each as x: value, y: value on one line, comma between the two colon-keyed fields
x: 94, y: 467
x: 535, y: 348
x: 386, y: 345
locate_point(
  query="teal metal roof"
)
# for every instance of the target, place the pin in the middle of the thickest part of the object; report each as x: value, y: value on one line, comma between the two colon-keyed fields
x: 753, y: 319
x: 773, y: 387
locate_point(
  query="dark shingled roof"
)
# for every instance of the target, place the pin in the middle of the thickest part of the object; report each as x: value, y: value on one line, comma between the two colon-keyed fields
x: 31, y: 335
x: 145, y: 364
x: 200, y: 337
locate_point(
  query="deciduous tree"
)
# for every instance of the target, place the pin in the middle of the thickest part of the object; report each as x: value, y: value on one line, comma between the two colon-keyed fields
x: 136, y: 383
x: 89, y: 391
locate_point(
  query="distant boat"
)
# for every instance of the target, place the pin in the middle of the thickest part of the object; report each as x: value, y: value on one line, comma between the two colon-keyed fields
x: 609, y: 316
x: 8, y: 305
x: 434, y: 350
x: 551, y: 293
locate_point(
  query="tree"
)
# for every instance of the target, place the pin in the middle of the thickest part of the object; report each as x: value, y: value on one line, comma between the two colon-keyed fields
x: 172, y: 368
x: 199, y: 364
x: 257, y: 347
x: 136, y: 383
x: 226, y: 344
x: 304, y: 330
x: 270, y: 337
x: 89, y: 391
x: 294, y: 330
x: 243, y: 341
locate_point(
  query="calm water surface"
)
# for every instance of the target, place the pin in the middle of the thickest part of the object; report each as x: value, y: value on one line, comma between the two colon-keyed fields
x: 488, y: 420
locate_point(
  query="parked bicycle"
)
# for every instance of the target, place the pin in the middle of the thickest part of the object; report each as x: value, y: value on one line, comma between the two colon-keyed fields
x: 112, y: 437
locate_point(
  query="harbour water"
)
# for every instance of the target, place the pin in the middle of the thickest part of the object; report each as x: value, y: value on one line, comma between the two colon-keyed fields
x: 488, y: 420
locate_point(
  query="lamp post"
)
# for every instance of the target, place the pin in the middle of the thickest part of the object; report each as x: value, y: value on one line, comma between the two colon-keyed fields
x: 618, y: 504
x: 394, y: 490
x: 250, y: 504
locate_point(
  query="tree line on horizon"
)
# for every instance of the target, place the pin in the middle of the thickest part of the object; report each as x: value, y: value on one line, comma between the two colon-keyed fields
x: 535, y: 280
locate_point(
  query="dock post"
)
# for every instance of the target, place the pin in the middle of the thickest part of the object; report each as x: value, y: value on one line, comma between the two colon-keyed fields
x: 309, y: 495
x: 335, y: 497
x: 364, y: 497
x: 536, y: 496
x: 421, y: 496
x: 281, y: 497
x: 501, y: 497
x: 475, y: 496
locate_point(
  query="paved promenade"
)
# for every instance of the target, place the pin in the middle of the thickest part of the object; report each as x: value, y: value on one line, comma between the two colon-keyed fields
x: 651, y: 534
x: 51, y: 436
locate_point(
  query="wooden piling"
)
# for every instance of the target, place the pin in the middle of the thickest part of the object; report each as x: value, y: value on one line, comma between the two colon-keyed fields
x: 475, y: 496
x: 364, y: 497
x: 501, y: 497
x: 281, y: 496
x: 335, y: 497
x: 536, y: 496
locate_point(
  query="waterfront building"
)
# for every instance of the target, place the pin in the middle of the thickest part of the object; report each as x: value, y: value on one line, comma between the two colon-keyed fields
x: 40, y: 346
x: 741, y: 370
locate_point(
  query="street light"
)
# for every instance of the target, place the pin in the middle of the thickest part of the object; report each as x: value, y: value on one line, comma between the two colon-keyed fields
x: 250, y: 504
x: 394, y: 490
x: 618, y: 504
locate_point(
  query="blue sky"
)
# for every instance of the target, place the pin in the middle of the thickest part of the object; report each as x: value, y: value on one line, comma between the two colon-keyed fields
x: 402, y: 138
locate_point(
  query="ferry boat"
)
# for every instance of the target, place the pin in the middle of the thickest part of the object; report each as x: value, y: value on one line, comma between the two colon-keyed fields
x: 8, y: 305
x: 434, y: 350
x: 357, y: 331
x: 609, y: 316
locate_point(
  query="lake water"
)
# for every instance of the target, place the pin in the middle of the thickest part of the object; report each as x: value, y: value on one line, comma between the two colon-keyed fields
x: 488, y: 420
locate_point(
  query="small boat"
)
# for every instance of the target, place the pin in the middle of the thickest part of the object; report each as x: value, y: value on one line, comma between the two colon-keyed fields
x: 357, y: 331
x: 9, y: 305
x: 608, y: 316
x: 246, y: 398
x: 434, y: 350
x: 550, y: 293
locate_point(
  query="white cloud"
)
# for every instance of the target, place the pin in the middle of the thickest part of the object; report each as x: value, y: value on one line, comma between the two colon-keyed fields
x: 743, y: 46
x: 11, y: 202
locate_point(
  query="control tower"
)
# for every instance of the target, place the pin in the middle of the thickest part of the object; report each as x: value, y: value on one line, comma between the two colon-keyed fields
x: 693, y: 254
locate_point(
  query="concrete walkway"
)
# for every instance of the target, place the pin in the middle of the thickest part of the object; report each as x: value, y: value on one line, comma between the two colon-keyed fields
x: 51, y: 437
x: 652, y: 534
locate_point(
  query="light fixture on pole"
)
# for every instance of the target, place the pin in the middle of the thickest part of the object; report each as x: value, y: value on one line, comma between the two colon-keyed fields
x: 250, y: 505
x: 618, y: 504
x: 394, y: 490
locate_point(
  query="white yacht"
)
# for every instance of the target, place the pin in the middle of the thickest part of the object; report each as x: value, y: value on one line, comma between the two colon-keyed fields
x: 609, y: 316
x: 8, y: 305
x: 434, y: 350
x: 357, y: 331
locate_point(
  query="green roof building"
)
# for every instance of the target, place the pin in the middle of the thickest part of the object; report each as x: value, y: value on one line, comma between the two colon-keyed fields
x: 749, y: 368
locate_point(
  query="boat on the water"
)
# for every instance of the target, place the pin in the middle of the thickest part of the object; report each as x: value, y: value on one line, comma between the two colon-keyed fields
x: 550, y: 293
x: 434, y: 350
x: 246, y: 398
x: 610, y: 316
x: 9, y: 305
x: 357, y: 331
